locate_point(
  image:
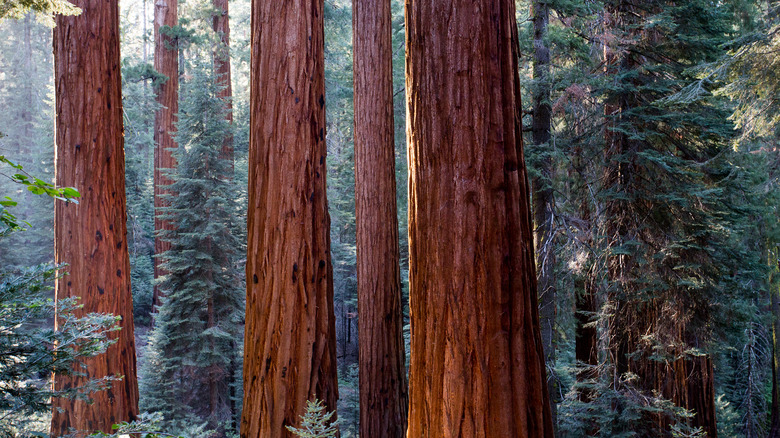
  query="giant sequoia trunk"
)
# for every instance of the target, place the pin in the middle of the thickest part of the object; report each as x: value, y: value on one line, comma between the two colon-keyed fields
x: 166, y: 62
x: 290, y: 344
x: 383, y: 391
x: 543, y: 201
x: 221, y: 25
x: 477, y: 364
x: 90, y: 237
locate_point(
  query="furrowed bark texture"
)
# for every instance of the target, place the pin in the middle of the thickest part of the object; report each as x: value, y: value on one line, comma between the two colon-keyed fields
x: 290, y: 343
x: 91, y: 236
x: 543, y: 201
x: 383, y: 388
x: 221, y: 25
x: 166, y: 62
x: 477, y: 364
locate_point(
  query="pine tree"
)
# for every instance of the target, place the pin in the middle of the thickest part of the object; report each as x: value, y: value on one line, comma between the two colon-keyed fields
x: 543, y: 201
x: 138, y: 81
x: 192, y: 346
x: 661, y: 188
x: 27, y: 135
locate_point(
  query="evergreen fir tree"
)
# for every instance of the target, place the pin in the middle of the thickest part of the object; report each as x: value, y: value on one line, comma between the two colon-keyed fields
x: 192, y: 350
x: 665, y: 230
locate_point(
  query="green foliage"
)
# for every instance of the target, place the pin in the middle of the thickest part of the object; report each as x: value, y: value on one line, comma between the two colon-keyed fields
x: 316, y: 423
x: 142, y: 72
x: 181, y: 35
x: 349, y: 401
x: 727, y: 416
x: 197, y: 325
x: 28, y: 140
x: 17, y: 9
x: 8, y: 221
x: 151, y: 426
x: 27, y: 358
x: 618, y: 409
x: 139, y: 108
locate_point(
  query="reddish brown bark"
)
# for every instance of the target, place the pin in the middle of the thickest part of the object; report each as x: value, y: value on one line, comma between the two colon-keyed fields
x: 221, y: 25
x: 694, y: 389
x: 477, y: 365
x: 166, y: 62
x: 383, y: 390
x: 91, y: 237
x: 290, y: 343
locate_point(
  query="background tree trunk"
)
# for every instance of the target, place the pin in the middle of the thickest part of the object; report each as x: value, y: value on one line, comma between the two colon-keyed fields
x: 166, y: 62
x: 383, y: 389
x: 543, y: 201
x: 91, y: 236
x: 774, y: 425
x: 290, y: 343
x: 477, y: 364
x: 221, y: 25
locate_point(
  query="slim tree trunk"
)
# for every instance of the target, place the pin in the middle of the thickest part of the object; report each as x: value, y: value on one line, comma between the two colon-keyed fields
x: 543, y: 201
x: 29, y: 69
x: 586, y: 334
x: 477, y: 364
x: 166, y: 62
x: 586, y: 341
x: 290, y: 338
x: 383, y: 389
x: 774, y: 426
x: 221, y: 25
x: 90, y: 237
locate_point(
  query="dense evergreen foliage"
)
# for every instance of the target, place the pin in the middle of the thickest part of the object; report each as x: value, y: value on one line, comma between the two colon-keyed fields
x: 193, y: 349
